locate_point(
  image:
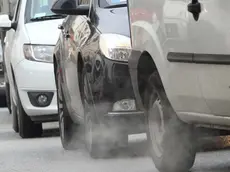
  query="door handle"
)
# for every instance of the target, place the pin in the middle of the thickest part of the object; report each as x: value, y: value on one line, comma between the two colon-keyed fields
x: 195, y: 8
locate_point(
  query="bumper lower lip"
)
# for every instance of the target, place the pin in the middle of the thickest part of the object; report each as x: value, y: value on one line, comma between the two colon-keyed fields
x: 130, y: 121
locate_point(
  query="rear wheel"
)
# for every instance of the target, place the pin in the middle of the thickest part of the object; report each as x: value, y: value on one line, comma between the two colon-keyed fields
x: 27, y: 128
x: 172, y: 142
x: 68, y: 129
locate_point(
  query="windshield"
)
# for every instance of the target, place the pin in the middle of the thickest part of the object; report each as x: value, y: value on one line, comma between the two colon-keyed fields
x: 39, y: 8
x: 106, y: 3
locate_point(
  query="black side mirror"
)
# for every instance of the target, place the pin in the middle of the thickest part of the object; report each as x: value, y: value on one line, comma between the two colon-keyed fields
x: 69, y: 7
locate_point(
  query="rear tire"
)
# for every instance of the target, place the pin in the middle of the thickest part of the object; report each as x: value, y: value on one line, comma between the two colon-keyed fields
x: 172, y: 142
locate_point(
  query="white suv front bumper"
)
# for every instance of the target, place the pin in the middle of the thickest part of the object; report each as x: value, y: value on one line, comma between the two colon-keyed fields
x: 36, y: 77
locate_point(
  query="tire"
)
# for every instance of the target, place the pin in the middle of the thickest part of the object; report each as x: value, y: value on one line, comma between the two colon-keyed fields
x: 3, y: 101
x: 94, y: 140
x: 69, y: 131
x: 15, y: 117
x: 8, y: 99
x: 27, y: 128
x: 172, y: 142
x: 99, y: 139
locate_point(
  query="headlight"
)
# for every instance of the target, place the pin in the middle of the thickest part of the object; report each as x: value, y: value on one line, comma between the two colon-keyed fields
x: 41, y: 53
x: 115, y: 47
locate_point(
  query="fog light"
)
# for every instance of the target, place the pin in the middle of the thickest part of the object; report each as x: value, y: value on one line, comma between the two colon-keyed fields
x: 42, y: 99
x: 125, y: 105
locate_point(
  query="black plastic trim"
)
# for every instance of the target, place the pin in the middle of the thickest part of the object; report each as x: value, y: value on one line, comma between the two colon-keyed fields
x: 45, y: 118
x: 199, y: 58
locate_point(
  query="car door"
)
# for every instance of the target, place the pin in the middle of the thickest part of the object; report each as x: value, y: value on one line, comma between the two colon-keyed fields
x: 76, y: 31
x: 210, y: 37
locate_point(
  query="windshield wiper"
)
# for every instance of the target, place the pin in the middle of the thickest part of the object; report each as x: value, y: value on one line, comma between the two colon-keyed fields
x: 49, y: 17
x: 116, y: 5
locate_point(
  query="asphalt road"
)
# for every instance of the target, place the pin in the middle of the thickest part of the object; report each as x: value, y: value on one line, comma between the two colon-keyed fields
x: 47, y: 155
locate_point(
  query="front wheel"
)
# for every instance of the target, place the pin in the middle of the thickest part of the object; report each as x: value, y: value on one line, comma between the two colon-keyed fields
x: 69, y: 131
x: 172, y: 142
x: 27, y: 128
x: 100, y: 139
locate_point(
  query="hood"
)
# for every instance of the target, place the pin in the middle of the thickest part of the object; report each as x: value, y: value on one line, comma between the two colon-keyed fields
x: 113, y: 20
x: 43, y: 32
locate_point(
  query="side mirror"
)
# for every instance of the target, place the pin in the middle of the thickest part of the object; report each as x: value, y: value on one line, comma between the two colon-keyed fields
x: 69, y: 7
x: 5, y: 22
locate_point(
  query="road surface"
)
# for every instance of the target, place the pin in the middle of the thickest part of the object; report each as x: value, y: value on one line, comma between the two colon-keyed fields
x: 47, y: 155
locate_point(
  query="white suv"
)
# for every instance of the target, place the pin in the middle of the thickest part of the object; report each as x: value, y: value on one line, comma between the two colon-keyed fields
x: 179, y: 71
x: 29, y: 45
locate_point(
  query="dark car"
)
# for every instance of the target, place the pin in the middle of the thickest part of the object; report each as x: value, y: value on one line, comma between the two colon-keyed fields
x: 92, y: 76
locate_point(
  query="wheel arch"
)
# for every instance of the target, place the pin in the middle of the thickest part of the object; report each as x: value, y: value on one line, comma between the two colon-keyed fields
x: 150, y: 57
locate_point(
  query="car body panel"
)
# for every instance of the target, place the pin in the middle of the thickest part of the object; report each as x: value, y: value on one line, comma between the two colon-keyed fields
x: 193, y: 86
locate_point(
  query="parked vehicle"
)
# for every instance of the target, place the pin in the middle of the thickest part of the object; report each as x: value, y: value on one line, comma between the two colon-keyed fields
x: 6, y: 7
x: 179, y: 68
x: 29, y: 43
x: 92, y: 77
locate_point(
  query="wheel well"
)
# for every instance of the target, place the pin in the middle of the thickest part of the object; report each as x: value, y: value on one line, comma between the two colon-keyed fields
x: 146, y: 66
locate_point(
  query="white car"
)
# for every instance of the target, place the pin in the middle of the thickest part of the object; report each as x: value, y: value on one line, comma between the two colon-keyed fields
x: 181, y: 82
x: 29, y: 45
